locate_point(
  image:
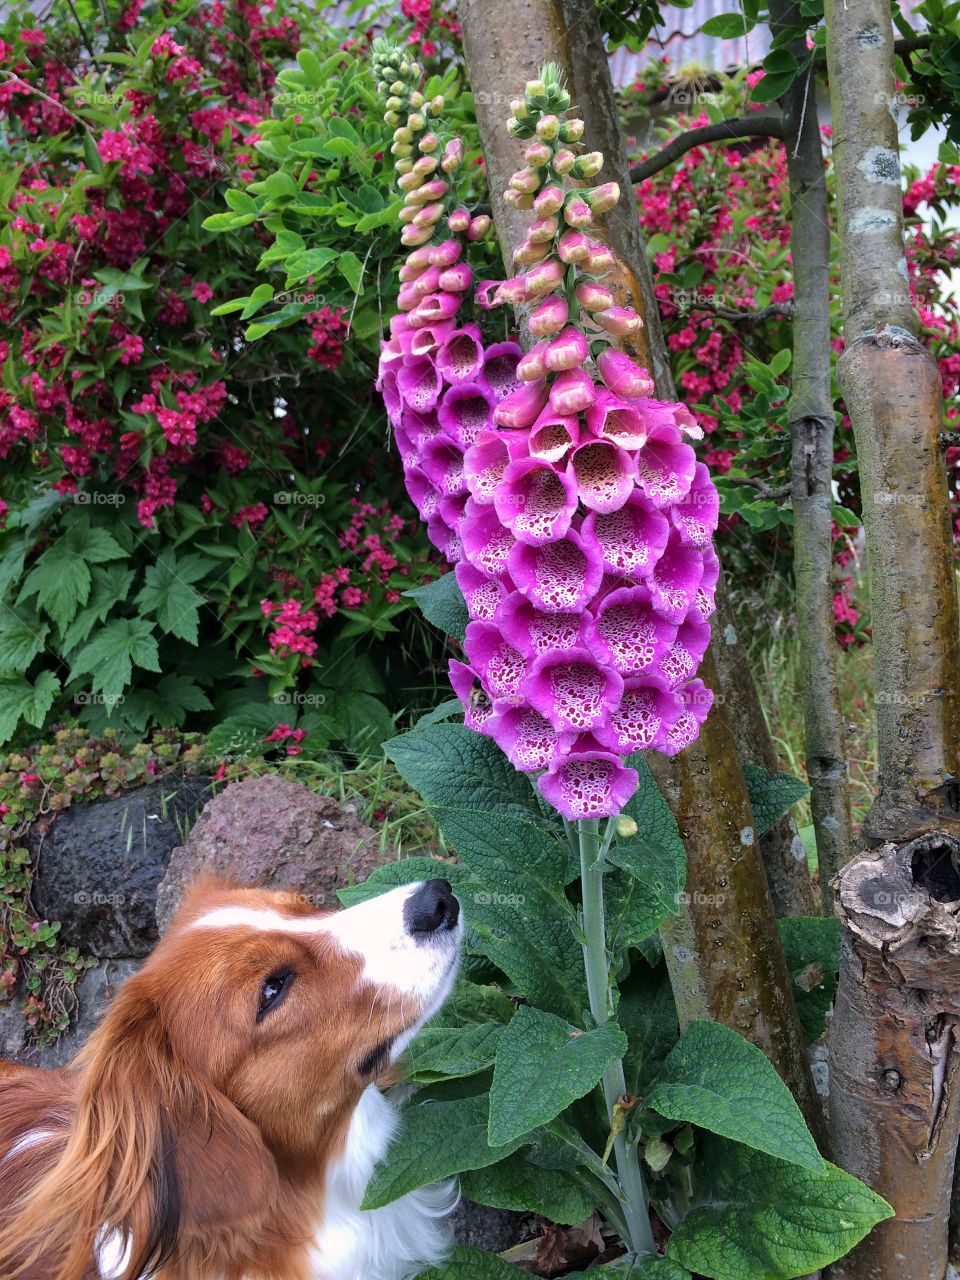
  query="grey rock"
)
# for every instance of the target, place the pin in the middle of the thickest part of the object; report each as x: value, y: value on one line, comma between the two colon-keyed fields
x: 492, y: 1229
x: 275, y: 834
x: 95, y: 990
x: 99, y: 865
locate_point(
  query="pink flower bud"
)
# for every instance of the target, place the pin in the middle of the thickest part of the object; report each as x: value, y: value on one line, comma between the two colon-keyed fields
x: 459, y: 220
x: 452, y: 156
x: 567, y: 351
x: 572, y: 391
x: 407, y: 299
x: 521, y: 407
x: 548, y: 127
x: 548, y: 202
x: 479, y: 226
x: 428, y: 215
x: 620, y: 321
x: 574, y: 246
x: 425, y: 283
x: 415, y: 235
x: 593, y: 296
x: 398, y: 324
x: 549, y: 317
x: 517, y: 199
x: 456, y: 279
x: 576, y: 212
x: 532, y: 365
x: 602, y: 199
x: 537, y: 155
x: 543, y: 230
x: 526, y: 254
x: 408, y: 213
x: 538, y: 281
x: 417, y: 260
x: 434, y: 190
x: 446, y: 253
x: 600, y: 260
x: 526, y: 181
x: 408, y: 272
x: 563, y: 161
x: 622, y: 376
x: 587, y: 166
x: 408, y: 181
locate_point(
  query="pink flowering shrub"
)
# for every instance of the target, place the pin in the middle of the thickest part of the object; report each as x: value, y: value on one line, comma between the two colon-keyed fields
x: 718, y: 235
x: 190, y: 525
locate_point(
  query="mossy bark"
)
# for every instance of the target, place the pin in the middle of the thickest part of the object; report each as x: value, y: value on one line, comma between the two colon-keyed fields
x: 893, y: 1105
x: 735, y: 971
x: 811, y: 470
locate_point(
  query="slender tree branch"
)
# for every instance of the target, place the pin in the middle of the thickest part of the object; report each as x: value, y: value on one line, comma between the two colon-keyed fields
x: 775, y: 493
x: 722, y: 131
x: 741, y: 315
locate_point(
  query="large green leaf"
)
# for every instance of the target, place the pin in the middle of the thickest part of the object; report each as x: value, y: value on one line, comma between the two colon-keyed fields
x: 717, y: 1080
x: 441, y: 603
x: 60, y: 579
x: 113, y: 652
x: 21, y: 700
x: 518, y: 1183
x: 444, y: 1051
x: 436, y: 1140
x: 363, y: 720
x: 811, y: 947
x: 21, y: 639
x: 764, y: 1219
x: 168, y: 595
x: 544, y: 1064
x: 466, y: 1262
x: 771, y: 795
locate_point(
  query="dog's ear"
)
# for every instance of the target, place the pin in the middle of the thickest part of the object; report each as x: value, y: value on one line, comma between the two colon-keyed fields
x: 154, y: 1156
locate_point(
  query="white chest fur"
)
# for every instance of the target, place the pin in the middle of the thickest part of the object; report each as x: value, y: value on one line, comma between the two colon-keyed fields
x: 392, y: 1243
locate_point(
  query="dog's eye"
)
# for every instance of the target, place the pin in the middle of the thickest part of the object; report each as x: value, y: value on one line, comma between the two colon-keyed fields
x: 274, y: 988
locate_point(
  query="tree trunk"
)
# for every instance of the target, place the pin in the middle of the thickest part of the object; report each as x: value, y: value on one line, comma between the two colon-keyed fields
x: 894, y: 1113
x: 782, y: 850
x: 811, y: 478
x: 506, y: 43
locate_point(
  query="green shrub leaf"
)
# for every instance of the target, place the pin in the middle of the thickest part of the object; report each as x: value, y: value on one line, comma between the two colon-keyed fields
x: 21, y: 700
x: 772, y: 795
x: 440, y: 1051
x: 544, y: 1064
x: 518, y: 1183
x: 436, y: 1140
x: 717, y: 1080
x: 441, y: 603
x: 762, y: 1217
x: 112, y: 653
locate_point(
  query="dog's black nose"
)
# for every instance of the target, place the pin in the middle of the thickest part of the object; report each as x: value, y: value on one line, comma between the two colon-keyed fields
x: 432, y: 908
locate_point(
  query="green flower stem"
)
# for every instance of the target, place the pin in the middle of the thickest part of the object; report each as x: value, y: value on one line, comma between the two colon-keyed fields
x: 596, y: 966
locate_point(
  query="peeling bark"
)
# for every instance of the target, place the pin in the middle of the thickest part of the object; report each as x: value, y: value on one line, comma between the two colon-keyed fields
x: 895, y: 1095
x: 895, y: 1117
x: 811, y: 471
x: 744, y: 982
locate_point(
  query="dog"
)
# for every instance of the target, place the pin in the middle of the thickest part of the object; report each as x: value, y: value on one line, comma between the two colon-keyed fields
x: 223, y: 1121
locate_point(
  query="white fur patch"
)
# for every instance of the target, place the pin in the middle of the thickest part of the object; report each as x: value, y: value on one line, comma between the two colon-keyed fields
x: 32, y: 1138
x: 392, y: 1243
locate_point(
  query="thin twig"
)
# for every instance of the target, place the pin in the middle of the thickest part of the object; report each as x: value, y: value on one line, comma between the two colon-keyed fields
x: 741, y: 315
x: 721, y: 131
x: 775, y: 493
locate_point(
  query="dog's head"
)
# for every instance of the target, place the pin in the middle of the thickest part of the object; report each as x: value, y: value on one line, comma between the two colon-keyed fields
x: 229, y: 1066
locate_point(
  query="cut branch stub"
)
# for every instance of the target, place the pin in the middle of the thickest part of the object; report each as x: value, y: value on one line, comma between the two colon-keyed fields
x: 895, y: 1089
